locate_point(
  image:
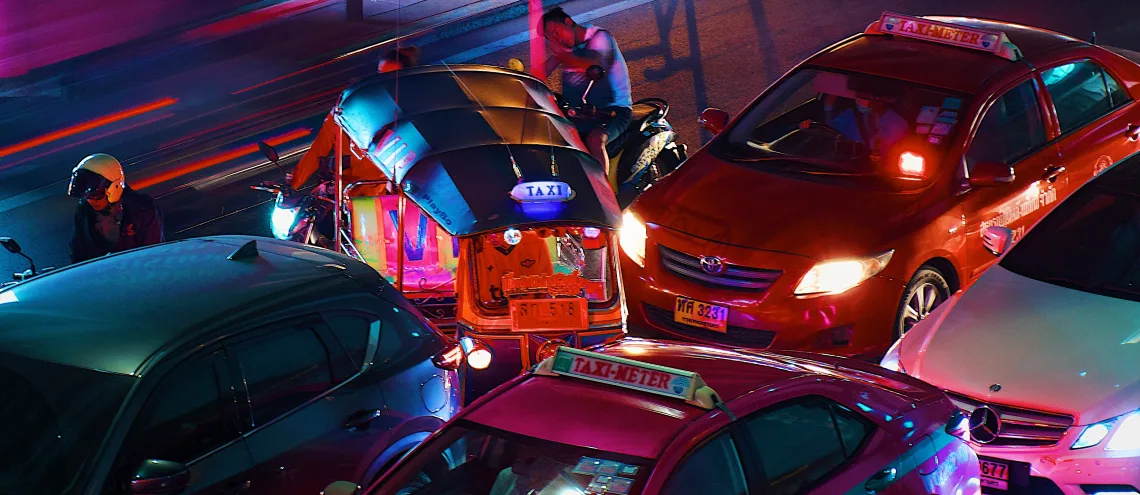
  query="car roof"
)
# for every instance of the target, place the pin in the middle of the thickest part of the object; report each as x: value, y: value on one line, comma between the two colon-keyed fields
x: 112, y: 313
x: 636, y: 423
x: 924, y: 62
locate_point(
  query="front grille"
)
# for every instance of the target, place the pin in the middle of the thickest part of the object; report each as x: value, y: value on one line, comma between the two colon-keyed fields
x: 746, y: 337
x: 734, y: 276
x: 1020, y: 427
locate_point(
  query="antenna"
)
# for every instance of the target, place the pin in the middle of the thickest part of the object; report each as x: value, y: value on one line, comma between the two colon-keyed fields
x: 246, y: 251
x: 1093, y: 41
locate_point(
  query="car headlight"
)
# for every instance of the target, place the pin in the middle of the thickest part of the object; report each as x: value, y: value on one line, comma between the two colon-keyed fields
x: 281, y: 223
x: 632, y: 237
x: 1127, y: 435
x: 1092, y: 435
x: 892, y: 360
x: 837, y: 276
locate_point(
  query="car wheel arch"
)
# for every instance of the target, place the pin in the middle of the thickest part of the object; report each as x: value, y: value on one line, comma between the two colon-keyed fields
x: 402, y: 440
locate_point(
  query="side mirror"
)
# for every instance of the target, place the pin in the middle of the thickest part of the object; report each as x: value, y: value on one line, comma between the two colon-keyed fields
x: 713, y: 120
x: 997, y: 239
x: 341, y: 488
x: 989, y: 174
x: 516, y: 65
x: 160, y: 477
x: 595, y: 72
x: 10, y: 244
x: 268, y: 151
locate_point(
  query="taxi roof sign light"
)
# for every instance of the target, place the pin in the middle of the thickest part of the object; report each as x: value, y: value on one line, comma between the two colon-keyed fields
x: 631, y: 374
x: 947, y: 33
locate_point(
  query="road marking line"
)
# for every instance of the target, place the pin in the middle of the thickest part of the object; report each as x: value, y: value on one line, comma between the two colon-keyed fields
x: 524, y: 36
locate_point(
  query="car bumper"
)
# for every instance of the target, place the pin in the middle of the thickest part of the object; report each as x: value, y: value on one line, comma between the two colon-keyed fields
x: 1071, y: 472
x: 854, y: 323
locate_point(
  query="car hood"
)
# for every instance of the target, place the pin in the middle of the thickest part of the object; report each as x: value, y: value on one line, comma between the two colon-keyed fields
x: 1049, y: 348
x: 741, y: 205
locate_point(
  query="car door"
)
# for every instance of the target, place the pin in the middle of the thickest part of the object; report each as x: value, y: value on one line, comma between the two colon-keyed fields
x: 191, y: 418
x: 1014, y: 130
x: 814, y: 445
x: 714, y: 466
x: 1094, y: 113
x: 308, y: 419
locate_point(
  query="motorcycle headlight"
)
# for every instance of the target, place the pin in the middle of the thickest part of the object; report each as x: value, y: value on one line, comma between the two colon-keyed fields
x: 281, y: 223
x: 632, y: 237
x: 837, y: 276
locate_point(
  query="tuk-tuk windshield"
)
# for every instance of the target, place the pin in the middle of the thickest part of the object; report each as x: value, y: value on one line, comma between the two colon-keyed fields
x: 544, y: 262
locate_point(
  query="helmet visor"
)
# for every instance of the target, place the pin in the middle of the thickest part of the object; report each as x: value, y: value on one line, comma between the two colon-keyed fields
x: 86, y: 184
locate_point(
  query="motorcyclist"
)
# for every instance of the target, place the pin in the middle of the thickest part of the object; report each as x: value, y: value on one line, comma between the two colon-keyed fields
x: 576, y: 47
x: 110, y: 217
x: 357, y: 167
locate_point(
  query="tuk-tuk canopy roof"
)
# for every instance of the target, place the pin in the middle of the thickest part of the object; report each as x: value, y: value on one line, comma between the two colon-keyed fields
x: 463, y: 137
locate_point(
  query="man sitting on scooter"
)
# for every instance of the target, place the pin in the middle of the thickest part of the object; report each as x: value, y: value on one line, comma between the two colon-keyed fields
x: 576, y: 47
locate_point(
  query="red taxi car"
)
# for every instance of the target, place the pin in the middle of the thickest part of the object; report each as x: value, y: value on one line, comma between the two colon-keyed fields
x: 650, y: 417
x: 848, y: 200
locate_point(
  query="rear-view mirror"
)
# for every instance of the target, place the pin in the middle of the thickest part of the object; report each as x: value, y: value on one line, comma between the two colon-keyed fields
x: 713, y: 120
x: 341, y: 488
x: 160, y: 477
x: 268, y: 151
x: 10, y: 244
x: 988, y: 174
x: 516, y: 65
x: 997, y: 239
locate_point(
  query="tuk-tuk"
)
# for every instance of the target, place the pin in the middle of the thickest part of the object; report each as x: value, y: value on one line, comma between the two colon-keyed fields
x: 501, y: 225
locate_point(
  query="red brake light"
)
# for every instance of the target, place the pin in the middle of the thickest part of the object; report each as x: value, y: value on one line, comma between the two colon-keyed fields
x: 912, y: 164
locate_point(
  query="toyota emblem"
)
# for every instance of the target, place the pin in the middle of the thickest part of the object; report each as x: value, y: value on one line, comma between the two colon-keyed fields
x: 985, y: 424
x: 712, y: 265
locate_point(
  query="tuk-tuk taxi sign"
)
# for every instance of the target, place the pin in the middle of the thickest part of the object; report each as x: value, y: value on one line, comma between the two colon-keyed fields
x: 947, y: 33
x: 543, y: 191
x: 627, y: 373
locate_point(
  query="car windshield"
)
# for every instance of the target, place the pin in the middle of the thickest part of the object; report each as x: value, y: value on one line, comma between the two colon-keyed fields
x: 52, y: 420
x: 829, y: 122
x: 1091, y: 242
x: 471, y: 459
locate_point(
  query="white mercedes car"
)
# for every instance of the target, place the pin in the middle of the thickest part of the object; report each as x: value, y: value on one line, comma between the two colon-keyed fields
x: 1043, y: 351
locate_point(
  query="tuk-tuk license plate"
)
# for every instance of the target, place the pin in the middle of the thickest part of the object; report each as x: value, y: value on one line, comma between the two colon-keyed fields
x: 701, y: 314
x: 995, y: 474
x: 538, y: 315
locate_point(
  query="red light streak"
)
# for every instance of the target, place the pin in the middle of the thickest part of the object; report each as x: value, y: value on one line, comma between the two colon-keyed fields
x: 87, y: 126
x: 224, y: 157
x: 87, y: 140
x: 271, y: 111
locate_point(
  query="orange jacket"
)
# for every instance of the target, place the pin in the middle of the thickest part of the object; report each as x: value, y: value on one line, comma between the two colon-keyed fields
x: 355, y: 169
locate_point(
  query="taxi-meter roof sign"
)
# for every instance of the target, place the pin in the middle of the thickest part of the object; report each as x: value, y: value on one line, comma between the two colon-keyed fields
x: 995, y: 42
x: 631, y: 374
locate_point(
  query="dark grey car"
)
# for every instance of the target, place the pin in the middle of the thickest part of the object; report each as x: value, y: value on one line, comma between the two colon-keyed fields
x: 217, y: 365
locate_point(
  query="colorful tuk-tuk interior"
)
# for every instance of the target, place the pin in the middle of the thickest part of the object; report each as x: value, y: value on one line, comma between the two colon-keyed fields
x: 504, y: 232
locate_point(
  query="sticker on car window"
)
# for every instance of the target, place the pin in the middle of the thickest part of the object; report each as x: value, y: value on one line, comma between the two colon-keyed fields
x: 927, y: 115
x: 948, y: 117
x: 940, y: 129
x: 934, y: 140
x: 922, y: 129
x: 951, y: 103
x: 587, y: 465
x: 609, y: 468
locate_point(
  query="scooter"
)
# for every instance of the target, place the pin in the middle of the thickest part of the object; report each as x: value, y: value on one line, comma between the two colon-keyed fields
x: 648, y: 149
x: 305, y: 218
x: 14, y: 247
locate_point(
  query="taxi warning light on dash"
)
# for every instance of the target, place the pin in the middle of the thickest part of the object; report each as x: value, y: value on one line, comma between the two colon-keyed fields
x: 947, y: 33
x: 631, y: 374
x: 542, y: 191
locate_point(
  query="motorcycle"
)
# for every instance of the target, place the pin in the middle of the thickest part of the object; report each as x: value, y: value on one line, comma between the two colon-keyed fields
x: 14, y: 247
x: 301, y: 217
x: 648, y: 149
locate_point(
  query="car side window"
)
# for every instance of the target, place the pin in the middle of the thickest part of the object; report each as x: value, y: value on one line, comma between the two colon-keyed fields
x: 1011, y: 129
x: 353, y: 332
x: 283, y: 369
x: 188, y: 414
x: 1082, y: 92
x: 715, y: 467
x: 405, y: 339
x: 802, y: 443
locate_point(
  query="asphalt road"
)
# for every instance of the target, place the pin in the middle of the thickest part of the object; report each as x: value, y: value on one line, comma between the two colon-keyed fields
x: 693, y: 53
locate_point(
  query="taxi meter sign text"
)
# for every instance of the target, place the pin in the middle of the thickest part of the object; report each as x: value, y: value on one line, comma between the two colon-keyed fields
x: 628, y: 373
x: 542, y: 191
x: 943, y: 32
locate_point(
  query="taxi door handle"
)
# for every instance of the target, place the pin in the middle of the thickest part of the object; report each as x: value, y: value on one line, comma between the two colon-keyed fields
x: 881, y: 480
x: 361, y: 419
x: 1052, y: 171
x: 1133, y: 132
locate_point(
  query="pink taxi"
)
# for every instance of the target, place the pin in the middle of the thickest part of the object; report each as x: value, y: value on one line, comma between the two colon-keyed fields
x: 649, y: 417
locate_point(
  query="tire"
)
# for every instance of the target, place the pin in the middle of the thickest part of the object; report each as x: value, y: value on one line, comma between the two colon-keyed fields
x: 926, y: 291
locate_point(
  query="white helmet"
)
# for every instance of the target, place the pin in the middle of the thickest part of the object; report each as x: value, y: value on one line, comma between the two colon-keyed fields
x: 96, y: 177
